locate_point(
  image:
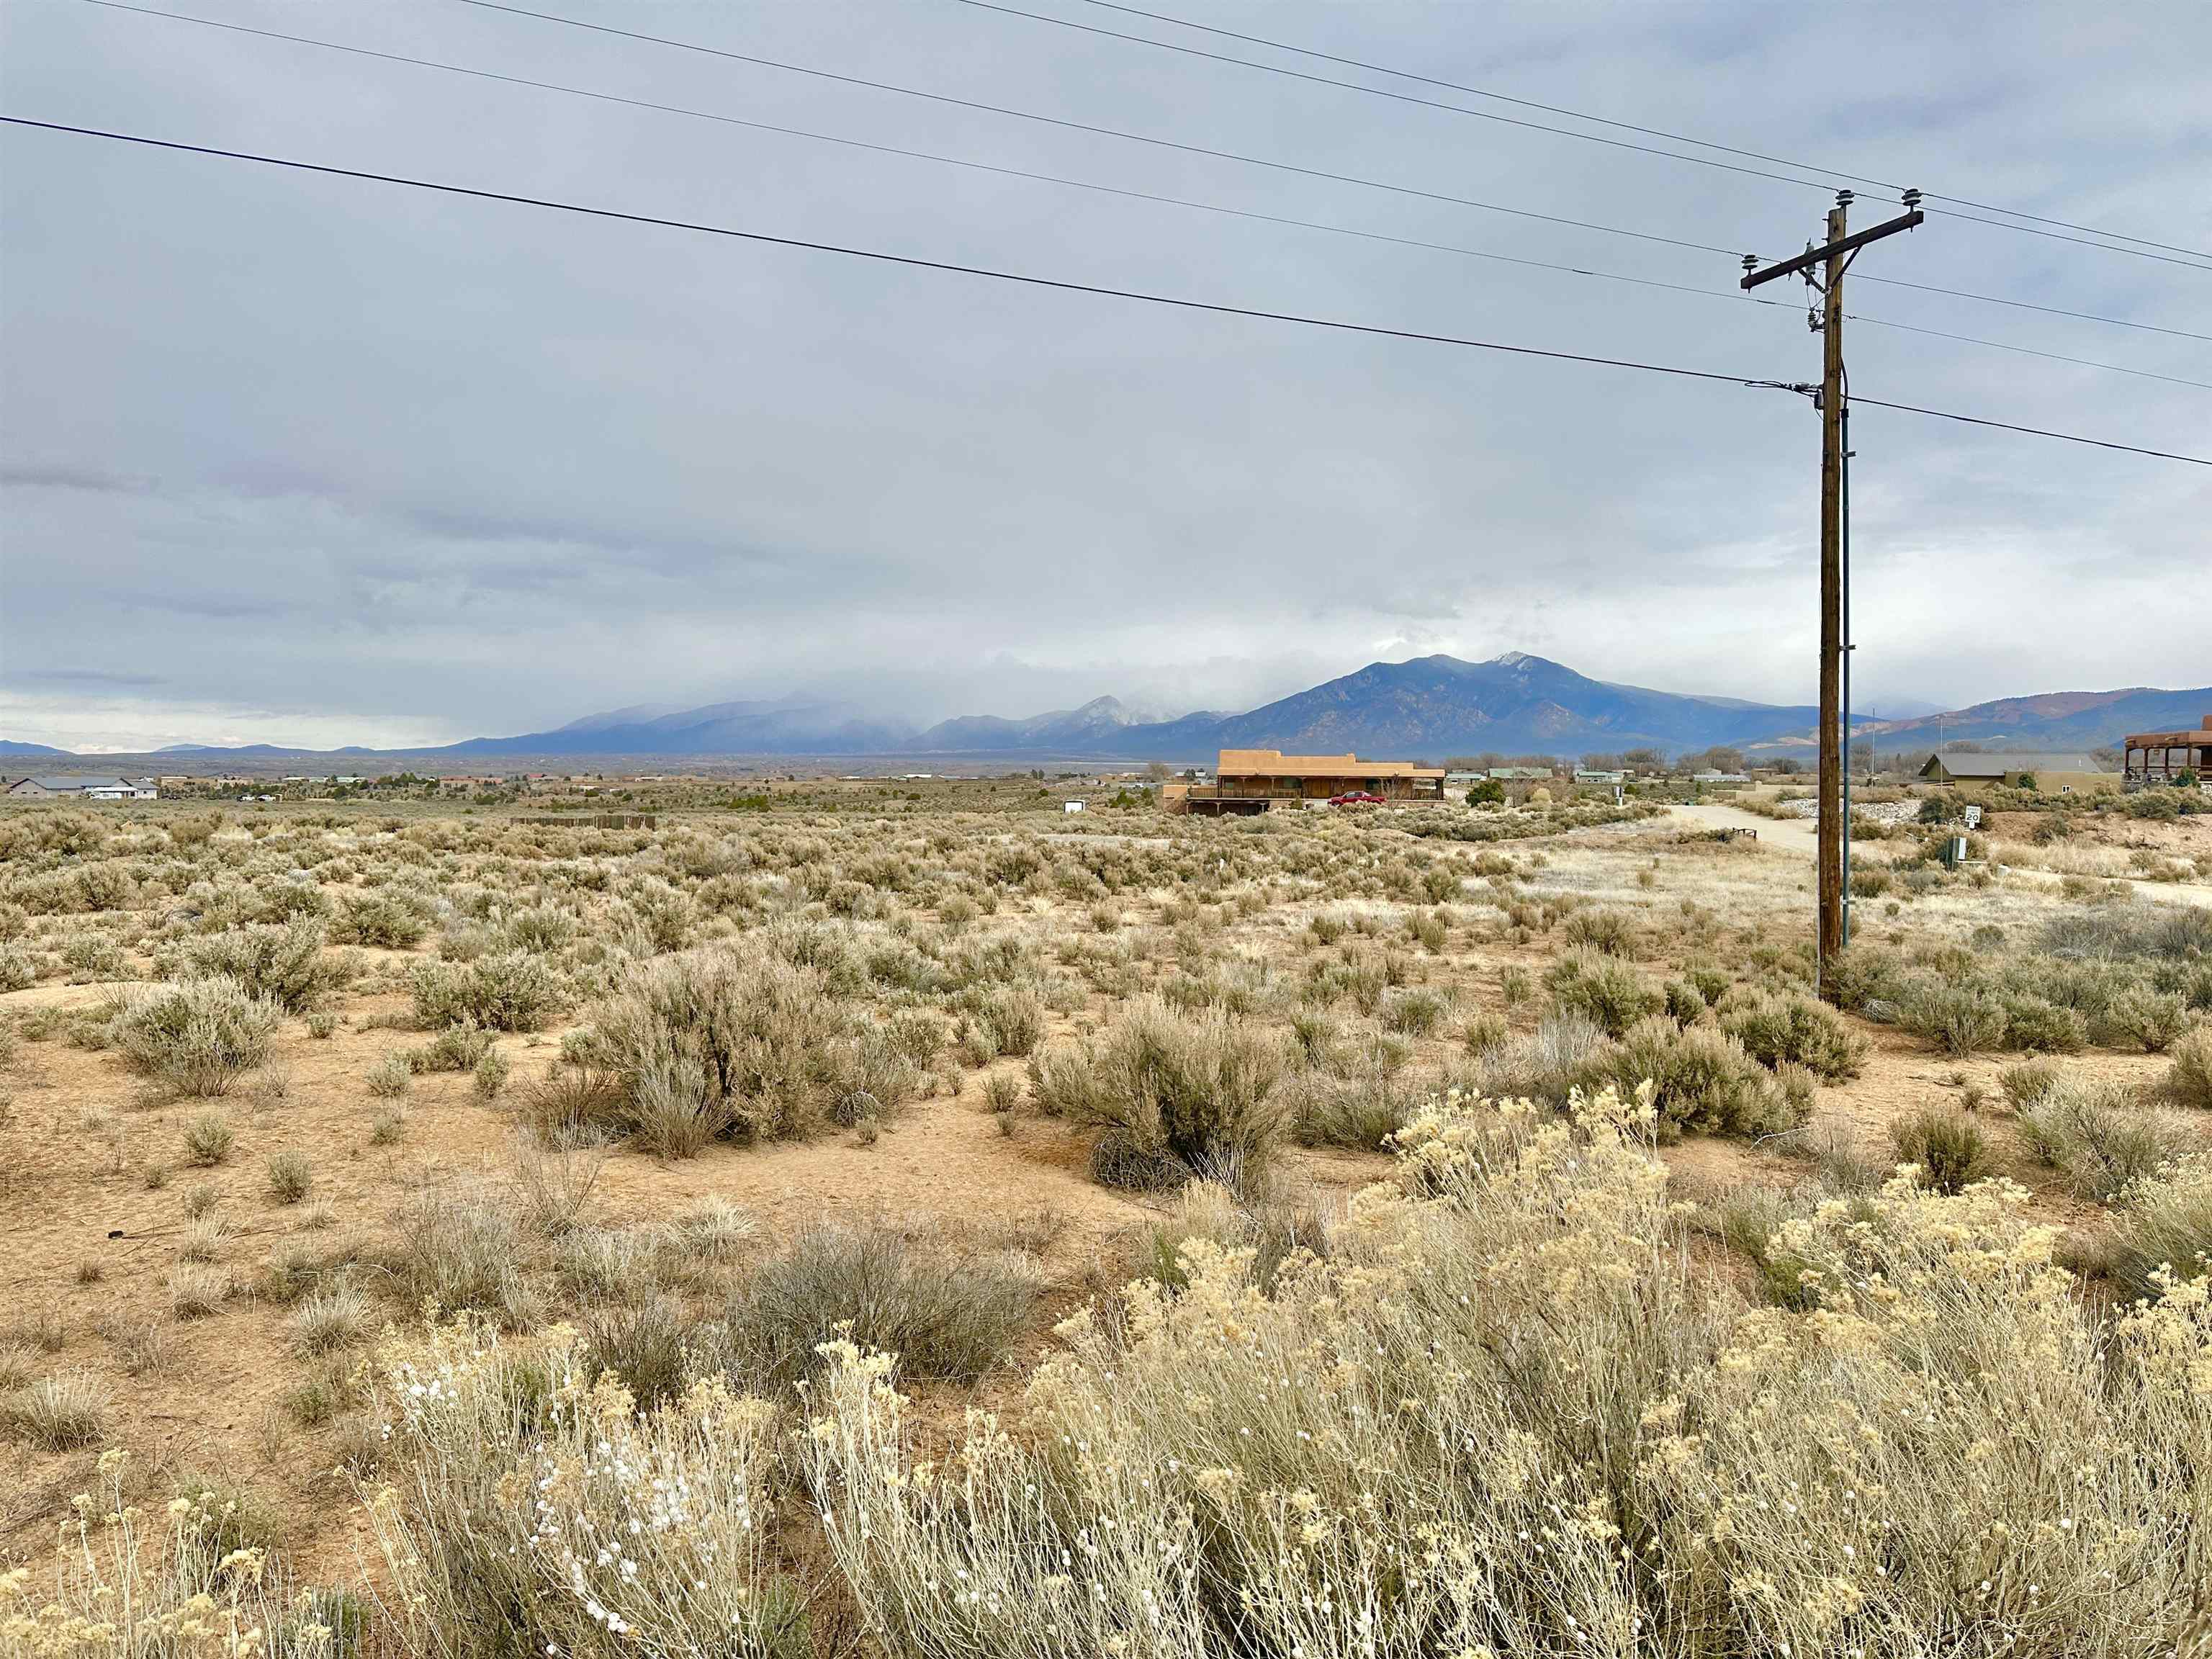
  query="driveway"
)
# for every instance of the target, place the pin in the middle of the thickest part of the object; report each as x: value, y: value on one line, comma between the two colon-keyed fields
x: 1801, y: 838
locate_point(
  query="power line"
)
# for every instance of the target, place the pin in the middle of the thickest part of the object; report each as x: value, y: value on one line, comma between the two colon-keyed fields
x: 1253, y: 160
x: 880, y: 256
x: 1581, y: 115
x: 895, y: 149
x: 2024, y: 305
x: 1084, y: 184
x: 1101, y: 131
x: 2029, y: 351
x: 2033, y: 431
x: 1400, y: 97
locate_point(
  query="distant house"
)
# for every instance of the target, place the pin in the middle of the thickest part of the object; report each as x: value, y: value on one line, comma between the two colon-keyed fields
x: 1522, y: 774
x: 1720, y: 777
x: 1588, y: 775
x: 2062, y: 774
x: 55, y: 788
x: 1254, y: 780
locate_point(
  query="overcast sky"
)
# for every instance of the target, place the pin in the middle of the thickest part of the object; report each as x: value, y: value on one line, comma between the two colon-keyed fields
x: 303, y: 459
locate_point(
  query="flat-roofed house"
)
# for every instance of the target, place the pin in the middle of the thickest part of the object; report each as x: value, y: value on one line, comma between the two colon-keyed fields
x: 2161, y: 756
x: 2064, y: 774
x: 1254, y: 780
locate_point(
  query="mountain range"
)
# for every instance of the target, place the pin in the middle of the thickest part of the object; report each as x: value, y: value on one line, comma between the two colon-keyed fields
x: 1431, y: 706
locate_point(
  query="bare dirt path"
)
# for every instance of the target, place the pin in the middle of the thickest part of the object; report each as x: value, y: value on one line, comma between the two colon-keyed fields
x: 1801, y: 837
x: 1781, y: 835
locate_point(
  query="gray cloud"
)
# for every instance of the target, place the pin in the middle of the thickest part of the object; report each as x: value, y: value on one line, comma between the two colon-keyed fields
x: 93, y: 677
x: 328, y: 452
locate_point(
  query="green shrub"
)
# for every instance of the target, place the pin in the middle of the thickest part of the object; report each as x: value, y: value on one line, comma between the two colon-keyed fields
x: 283, y: 964
x: 1949, y: 1146
x: 2026, y: 1083
x: 1959, y: 1019
x: 1415, y: 1010
x: 2035, y: 1025
x: 492, y: 1069
x: 457, y: 1048
x: 197, y: 1038
x: 390, y: 1078
x: 1779, y: 1028
x: 512, y: 992
x: 1362, y: 1111
x: 208, y: 1139
x: 1611, y: 995
x: 290, y: 1175
x: 1686, y: 1004
x: 1701, y: 1079
x: 2155, y: 1019
x: 2189, y: 1078
x: 1610, y: 931
x: 1174, y: 1095
x: 391, y: 923
x: 1013, y: 1016
x: 708, y: 1043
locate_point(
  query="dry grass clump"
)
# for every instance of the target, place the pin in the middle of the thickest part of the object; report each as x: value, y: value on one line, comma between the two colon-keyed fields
x: 1589, y: 1445
x: 646, y: 1531
x: 197, y: 1038
x: 330, y: 1320
x: 123, y: 1581
x: 2100, y: 1136
x: 2189, y: 1078
x: 2163, y: 1224
x: 463, y: 1251
x: 1174, y: 1095
x: 197, y: 1289
x: 945, y: 1310
x: 57, y: 1413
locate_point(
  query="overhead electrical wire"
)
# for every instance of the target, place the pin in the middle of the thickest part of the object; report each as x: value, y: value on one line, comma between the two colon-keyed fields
x: 1230, y: 156
x: 1101, y: 131
x: 2195, y: 254
x: 2026, y: 305
x: 884, y: 257
x: 1399, y: 97
x: 1082, y: 184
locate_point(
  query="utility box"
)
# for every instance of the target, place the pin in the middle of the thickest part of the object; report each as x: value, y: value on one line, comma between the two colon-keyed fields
x: 1954, y: 852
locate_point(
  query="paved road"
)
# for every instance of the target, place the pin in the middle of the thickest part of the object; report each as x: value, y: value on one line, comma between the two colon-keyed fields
x: 1799, y: 838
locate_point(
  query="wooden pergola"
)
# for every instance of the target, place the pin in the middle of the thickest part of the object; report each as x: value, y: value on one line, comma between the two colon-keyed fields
x: 2160, y: 757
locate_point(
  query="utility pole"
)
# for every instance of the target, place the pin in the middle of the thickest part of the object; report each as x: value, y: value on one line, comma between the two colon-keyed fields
x: 1832, y: 260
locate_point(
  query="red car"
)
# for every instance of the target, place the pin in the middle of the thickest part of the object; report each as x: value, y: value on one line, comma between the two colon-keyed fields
x: 1355, y: 798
